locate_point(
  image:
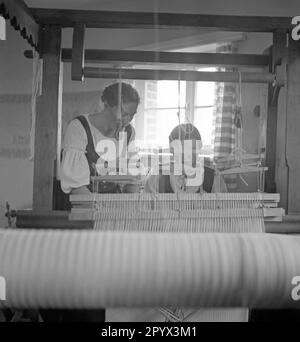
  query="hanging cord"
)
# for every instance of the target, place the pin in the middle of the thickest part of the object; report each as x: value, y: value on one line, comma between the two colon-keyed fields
x: 187, y: 130
x: 260, y: 177
x: 119, y: 110
x: 178, y: 94
x: 178, y: 114
x: 119, y: 117
x: 238, y: 120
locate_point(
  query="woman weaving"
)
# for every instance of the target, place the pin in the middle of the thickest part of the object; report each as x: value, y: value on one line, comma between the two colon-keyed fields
x: 192, y: 166
x: 85, y: 132
x: 79, y: 159
x: 174, y: 183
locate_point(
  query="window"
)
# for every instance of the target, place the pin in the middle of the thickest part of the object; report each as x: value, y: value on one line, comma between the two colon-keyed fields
x: 203, y: 111
x: 161, y: 113
x: 160, y: 106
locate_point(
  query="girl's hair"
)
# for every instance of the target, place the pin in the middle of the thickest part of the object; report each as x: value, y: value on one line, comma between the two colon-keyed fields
x: 185, y: 132
x: 111, y: 92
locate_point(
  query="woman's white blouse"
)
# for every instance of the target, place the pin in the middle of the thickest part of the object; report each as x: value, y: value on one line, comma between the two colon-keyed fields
x: 75, y: 171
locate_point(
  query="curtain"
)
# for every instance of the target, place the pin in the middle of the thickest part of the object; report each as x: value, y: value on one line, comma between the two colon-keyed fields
x: 224, y: 134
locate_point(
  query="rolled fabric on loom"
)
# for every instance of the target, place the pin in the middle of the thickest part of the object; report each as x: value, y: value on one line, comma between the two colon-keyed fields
x: 92, y: 269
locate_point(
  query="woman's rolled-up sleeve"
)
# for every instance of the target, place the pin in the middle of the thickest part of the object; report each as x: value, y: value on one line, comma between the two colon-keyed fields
x: 75, y: 170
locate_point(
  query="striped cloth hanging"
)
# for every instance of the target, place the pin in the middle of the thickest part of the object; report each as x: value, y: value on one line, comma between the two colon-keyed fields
x: 224, y: 134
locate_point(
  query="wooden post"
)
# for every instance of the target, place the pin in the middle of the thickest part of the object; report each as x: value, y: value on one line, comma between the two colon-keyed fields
x: 293, y: 126
x: 48, y: 120
x: 281, y: 167
x: 78, y: 52
x: 278, y: 53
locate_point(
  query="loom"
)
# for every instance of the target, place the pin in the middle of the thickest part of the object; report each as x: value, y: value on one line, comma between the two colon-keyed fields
x: 87, y: 269
x: 177, y: 212
x: 181, y: 212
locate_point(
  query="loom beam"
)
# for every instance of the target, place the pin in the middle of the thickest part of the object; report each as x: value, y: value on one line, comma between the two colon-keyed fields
x: 194, y: 76
x: 153, y: 57
x: 60, y: 220
x: 88, y: 269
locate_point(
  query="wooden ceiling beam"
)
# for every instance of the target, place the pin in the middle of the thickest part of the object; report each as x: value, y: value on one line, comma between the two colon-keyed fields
x: 152, y: 57
x: 138, y: 20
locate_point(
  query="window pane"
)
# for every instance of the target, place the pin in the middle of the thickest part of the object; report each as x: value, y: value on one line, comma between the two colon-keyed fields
x: 203, y: 120
x: 158, y: 126
x: 160, y: 114
x: 205, y: 94
x: 167, y: 94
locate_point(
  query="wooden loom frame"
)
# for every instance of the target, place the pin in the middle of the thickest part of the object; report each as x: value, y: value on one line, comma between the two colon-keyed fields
x: 283, y: 139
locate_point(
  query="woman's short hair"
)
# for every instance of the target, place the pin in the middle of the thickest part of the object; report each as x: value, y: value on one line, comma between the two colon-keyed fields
x: 110, y: 94
x: 185, y: 132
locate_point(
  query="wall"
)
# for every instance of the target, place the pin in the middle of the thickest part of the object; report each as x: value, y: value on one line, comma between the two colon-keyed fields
x: 15, y: 86
x: 16, y: 170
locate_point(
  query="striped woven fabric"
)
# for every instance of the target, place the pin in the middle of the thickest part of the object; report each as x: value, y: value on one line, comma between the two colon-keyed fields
x: 224, y: 134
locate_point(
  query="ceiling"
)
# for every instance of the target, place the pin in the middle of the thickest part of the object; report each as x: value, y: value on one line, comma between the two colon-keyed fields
x: 129, y: 38
x: 153, y: 39
x: 288, y: 8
